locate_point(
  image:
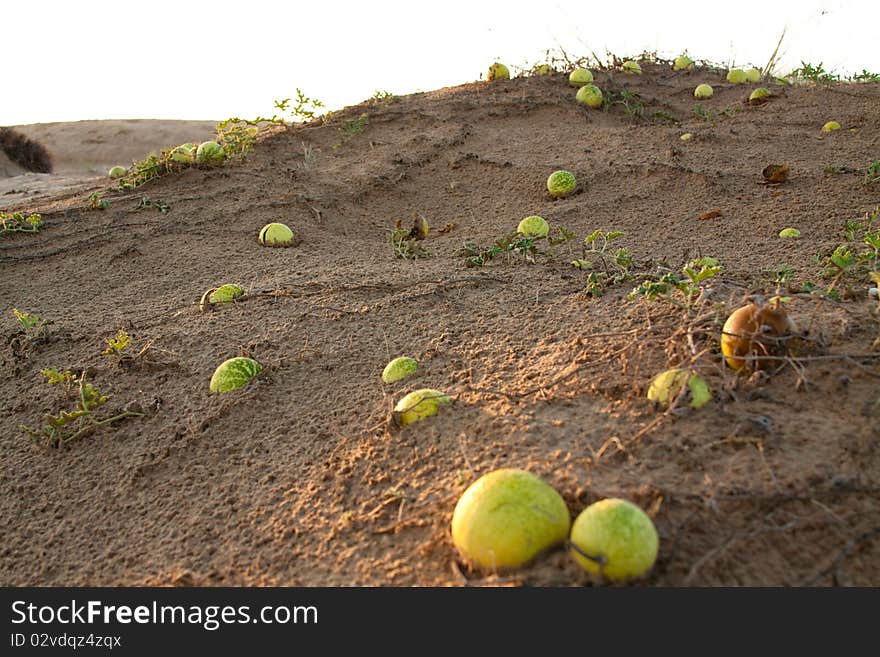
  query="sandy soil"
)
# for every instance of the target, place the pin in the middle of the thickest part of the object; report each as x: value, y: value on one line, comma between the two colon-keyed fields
x: 300, y: 479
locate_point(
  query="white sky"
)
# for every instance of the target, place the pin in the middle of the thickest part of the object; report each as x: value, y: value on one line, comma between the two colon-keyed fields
x: 70, y: 60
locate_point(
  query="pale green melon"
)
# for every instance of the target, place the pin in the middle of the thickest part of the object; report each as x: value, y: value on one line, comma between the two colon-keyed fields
x: 400, y: 367
x: 210, y: 152
x: 561, y: 184
x: 533, y: 226
x: 223, y: 294
x: 234, y: 373
x: 276, y: 234
x: 418, y: 405
x: 498, y: 71
x: 183, y: 154
x: 589, y: 95
x: 703, y: 91
x: 508, y: 517
x: 758, y: 96
x: 615, y: 540
x: 666, y: 386
x: 579, y: 77
x: 736, y: 76
x: 682, y: 63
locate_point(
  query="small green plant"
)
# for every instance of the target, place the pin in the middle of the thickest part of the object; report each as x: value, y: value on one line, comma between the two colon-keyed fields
x: 615, y: 264
x: 98, y: 202
x: 18, y: 222
x: 351, y: 129
x: 31, y: 323
x: 515, y: 243
x: 147, y: 202
x: 690, y: 285
x: 117, y: 344
x: 301, y: 109
x: 65, y: 426
x: 701, y: 112
x: 781, y: 275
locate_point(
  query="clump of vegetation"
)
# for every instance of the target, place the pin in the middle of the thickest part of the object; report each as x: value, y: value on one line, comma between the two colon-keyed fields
x: 143, y: 171
x: 815, y: 74
x: 18, y: 222
x: 406, y: 242
x: 147, y: 202
x: 117, y: 345
x: 857, y: 257
x: 515, y: 243
x: 64, y: 426
x: 865, y: 76
x: 615, y: 264
x: 351, y: 129
x: 384, y: 98
x: 300, y: 109
x: 634, y: 106
x: 671, y: 286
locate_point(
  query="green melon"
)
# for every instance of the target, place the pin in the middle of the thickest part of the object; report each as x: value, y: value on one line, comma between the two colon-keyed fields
x: 234, y: 373
x: 508, y: 517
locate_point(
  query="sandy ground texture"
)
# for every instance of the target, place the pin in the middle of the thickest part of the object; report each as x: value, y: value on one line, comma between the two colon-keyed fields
x: 301, y: 479
x: 84, y: 151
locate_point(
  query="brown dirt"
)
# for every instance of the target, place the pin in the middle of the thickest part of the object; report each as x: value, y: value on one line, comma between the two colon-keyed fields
x: 299, y: 480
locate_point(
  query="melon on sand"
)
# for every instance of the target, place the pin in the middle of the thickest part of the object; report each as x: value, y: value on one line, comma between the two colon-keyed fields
x: 613, y: 539
x: 398, y: 368
x: 234, y: 373
x: 561, y: 184
x: 223, y: 294
x: 418, y: 405
x: 276, y: 234
x: 506, y: 518
x: 533, y: 226
x: 498, y: 71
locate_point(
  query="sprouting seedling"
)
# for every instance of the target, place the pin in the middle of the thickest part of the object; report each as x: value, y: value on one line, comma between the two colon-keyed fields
x: 32, y: 325
x: 697, y: 271
x: 117, y: 344
x: 64, y: 426
x: 18, y: 222
x: 97, y: 202
x: 873, y: 256
x: 782, y: 274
